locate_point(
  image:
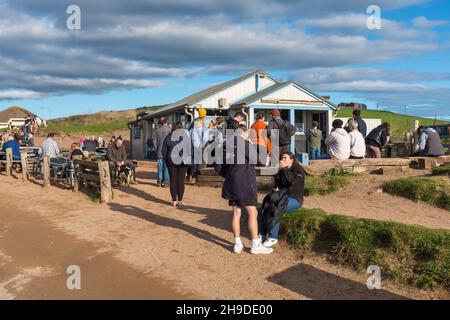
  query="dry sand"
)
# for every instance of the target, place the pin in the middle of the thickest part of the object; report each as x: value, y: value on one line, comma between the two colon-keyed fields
x: 140, y: 247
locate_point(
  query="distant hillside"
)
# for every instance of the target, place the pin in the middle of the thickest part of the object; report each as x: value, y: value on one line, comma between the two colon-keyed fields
x: 105, y: 122
x: 400, y: 123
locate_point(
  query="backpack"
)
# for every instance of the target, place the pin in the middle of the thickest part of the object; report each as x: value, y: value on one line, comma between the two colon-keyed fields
x: 286, y: 131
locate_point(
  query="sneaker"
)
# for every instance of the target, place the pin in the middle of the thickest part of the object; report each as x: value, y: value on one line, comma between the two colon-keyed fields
x: 260, y: 249
x: 158, y: 184
x: 238, y: 248
x: 270, y: 242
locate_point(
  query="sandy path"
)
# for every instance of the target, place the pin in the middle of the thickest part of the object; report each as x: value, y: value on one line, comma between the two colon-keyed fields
x: 189, y: 250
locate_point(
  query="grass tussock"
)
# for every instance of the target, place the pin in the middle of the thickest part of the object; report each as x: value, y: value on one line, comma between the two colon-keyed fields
x: 441, y: 171
x: 409, y: 255
x: 432, y: 190
x: 327, y: 183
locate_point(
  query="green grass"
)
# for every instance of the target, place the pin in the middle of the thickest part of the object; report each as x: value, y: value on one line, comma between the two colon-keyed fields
x: 106, y: 122
x: 400, y: 123
x: 91, y: 128
x: 441, y: 171
x: 327, y: 183
x: 432, y: 190
x: 409, y: 255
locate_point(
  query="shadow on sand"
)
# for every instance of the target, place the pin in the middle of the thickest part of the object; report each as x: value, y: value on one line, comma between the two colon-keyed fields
x: 317, y: 284
x: 171, y: 223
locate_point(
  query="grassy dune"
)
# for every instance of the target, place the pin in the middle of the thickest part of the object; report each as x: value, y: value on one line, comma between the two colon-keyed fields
x: 105, y: 122
x: 409, y: 255
x: 432, y: 190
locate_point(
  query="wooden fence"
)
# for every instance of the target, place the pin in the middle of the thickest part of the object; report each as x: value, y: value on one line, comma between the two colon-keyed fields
x: 87, y: 173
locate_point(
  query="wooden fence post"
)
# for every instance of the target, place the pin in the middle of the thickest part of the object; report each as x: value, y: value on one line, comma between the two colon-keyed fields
x: 24, y: 159
x: 9, y: 162
x: 46, y: 169
x: 105, y: 182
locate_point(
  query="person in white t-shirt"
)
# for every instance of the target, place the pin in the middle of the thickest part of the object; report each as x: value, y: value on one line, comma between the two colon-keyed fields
x: 357, y: 142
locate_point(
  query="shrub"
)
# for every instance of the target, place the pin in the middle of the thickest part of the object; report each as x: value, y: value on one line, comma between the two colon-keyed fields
x: 409, y: 255
x: 434, y: 191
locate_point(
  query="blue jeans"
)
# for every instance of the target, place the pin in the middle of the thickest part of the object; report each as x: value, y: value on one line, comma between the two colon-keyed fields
x: 163, y: 172
x: 325, y: 156
x: 314, y: 153
x: 273, y: 233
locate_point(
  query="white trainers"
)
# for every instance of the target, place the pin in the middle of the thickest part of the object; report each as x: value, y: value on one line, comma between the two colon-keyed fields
x: 238, y: 248
x: 270, y: 242
x: 260, y: 249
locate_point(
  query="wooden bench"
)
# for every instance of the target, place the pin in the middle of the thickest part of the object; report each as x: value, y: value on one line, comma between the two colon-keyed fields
x: 95, y: 174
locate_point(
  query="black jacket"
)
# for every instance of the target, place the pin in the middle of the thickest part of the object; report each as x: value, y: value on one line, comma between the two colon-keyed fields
x: 362, y: 126
x: 378, y: 137
x: 293, y: 180
x: 240, y: 178
x: 273, y: 207
x: 90, y: 146
x: 167, y: 149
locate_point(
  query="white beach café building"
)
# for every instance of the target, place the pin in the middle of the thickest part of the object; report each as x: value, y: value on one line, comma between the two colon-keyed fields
x: 251, y: 93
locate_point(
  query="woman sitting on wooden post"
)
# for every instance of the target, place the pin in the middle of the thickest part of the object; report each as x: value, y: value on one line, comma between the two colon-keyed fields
x: 287, y: 196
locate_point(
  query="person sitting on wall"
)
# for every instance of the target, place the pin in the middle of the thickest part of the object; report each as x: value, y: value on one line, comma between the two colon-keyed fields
x: 377, y: 139
x: 117, y: 156
x: 12, y: 143
x: 337, y: 142
x: 430, y: 144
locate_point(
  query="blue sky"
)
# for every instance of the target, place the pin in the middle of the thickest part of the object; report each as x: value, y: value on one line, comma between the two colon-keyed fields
x: 138, y: 53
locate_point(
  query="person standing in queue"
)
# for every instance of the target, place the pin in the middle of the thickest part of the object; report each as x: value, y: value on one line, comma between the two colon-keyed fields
x: 239, y: 188
x: 176, y: 161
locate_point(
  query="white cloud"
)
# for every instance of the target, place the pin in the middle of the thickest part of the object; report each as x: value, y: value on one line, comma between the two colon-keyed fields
x: 423, y: 22
x: 19, y: 94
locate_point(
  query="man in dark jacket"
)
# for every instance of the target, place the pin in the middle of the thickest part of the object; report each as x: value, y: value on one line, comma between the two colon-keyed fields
x: 377, y: 139
x: 232, y: 123
x: 161, y: 133
x: 430, y: 144
x: 117, y: 156
x: 285, y: 131
x: 362, y: 126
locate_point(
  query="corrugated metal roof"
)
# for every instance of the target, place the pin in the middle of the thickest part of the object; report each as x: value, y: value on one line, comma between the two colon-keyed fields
x: 197, y: 97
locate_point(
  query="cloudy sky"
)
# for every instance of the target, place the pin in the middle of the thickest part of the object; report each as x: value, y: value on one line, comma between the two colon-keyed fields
x: 147, y: 52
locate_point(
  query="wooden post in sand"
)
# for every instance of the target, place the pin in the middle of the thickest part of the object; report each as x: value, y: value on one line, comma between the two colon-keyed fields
x: 24, y: 160
x: 9, y: 162
x: 46, y: 169
x: 105, y: 182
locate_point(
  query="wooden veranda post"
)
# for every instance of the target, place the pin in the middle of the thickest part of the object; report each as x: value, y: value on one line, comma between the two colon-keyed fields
x: 9, y: 162
x: 46, y: 169
x: 24, y: 159
x: 105, y: 182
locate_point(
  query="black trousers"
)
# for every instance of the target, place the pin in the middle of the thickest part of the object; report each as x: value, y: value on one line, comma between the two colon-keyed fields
x: 177, y: 181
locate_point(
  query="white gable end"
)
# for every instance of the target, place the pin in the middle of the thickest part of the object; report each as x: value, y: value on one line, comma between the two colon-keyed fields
x: 290, y: 93
x: 237, y: 92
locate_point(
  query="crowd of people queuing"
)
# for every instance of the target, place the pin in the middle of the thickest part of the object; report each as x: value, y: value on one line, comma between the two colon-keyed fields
x: 242, y: 151
x: 349, y: 141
